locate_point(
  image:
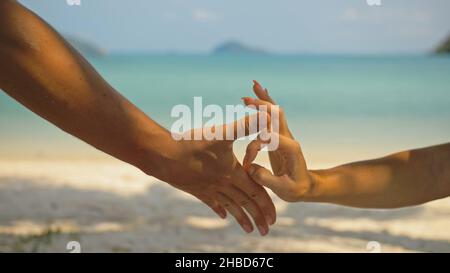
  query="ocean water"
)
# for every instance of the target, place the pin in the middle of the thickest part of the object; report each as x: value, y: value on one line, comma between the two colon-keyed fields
x: 341, y: 108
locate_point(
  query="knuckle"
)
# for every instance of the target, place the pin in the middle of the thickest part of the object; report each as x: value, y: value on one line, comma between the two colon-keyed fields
x: 215, y: 188
x: 244, y: 202
x: 223, y: 181
x: 256, y: 194
x: 296, y: 144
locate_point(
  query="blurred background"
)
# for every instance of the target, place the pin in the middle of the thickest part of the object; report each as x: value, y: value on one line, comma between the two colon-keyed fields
x: 357, y: 82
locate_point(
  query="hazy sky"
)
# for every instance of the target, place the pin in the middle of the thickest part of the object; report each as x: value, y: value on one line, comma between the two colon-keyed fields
x: 285, y: 26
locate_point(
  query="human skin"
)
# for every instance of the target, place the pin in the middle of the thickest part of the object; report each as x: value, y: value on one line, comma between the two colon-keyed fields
x: 403, y: 179
x: 39, y: 69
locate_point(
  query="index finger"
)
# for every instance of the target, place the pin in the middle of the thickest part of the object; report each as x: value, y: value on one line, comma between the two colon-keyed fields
x: 262, y: 93
x: 246, y: 126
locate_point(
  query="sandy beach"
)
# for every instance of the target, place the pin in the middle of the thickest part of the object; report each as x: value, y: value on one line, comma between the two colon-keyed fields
x: 109, y: 206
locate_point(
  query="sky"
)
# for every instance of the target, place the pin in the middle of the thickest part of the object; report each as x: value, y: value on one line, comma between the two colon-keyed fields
x: 280, y: 26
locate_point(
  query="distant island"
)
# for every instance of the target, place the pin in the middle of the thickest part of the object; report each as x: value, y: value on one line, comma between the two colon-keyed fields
x: 234, y: 47
x: 444, y: 48
x: 85, y: 47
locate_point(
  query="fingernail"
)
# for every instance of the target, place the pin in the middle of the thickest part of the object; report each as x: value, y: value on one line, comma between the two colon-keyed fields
x: 270, y: 219
x: 247, y: 227
x: 267, y: 91
x: 222, y: 215
x: 262, y: 230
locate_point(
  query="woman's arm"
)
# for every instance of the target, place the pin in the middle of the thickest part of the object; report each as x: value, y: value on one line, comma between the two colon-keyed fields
x: 43, y: 72
x: 403, y: 179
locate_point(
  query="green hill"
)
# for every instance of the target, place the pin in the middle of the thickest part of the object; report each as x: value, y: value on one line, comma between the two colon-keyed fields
x: 444, y: 47
x: 233, y: 47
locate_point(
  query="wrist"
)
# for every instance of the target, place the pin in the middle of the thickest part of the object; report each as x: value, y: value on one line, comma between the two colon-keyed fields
x: 160, y: 155
x: 311, y: 191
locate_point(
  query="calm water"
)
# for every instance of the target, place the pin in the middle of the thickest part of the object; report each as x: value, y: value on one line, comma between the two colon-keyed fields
x: 340, y: 107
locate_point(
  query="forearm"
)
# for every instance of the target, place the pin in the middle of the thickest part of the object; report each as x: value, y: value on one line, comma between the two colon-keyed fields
x: 403, y: 179
x: 41, y: 71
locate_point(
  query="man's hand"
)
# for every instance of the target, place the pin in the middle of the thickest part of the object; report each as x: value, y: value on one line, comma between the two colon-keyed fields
x: 210, y: 171
x: 84, y: 105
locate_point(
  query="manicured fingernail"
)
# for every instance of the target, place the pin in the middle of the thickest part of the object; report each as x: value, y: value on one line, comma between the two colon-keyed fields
x: 247, y: 227
x: 262, y: 230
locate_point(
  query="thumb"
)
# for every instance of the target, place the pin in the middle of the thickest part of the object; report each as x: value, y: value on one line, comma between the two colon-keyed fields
x: 264, y: 177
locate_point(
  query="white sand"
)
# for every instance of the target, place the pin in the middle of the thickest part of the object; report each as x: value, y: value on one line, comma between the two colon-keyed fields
x: 109, y: 206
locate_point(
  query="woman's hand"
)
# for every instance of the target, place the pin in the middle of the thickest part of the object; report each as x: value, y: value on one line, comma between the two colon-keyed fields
x: 290, y: 180
x: 402, y: 179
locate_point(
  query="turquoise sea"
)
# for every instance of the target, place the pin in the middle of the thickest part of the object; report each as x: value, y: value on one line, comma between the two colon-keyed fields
x: 341, y: 108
